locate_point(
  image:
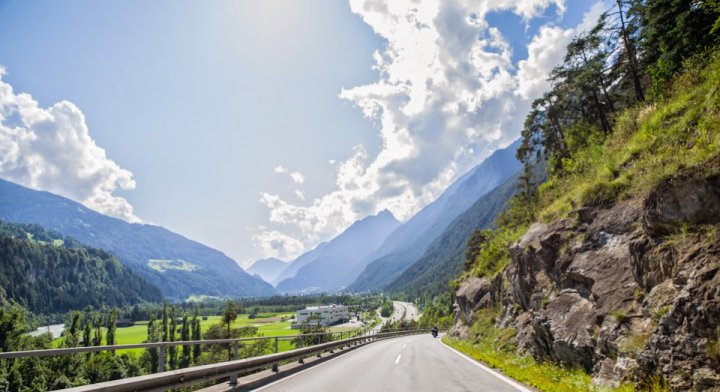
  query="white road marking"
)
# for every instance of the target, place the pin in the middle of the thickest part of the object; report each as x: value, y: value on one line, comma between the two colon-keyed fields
x: 404, y: 345
x: 398, y: 359
x: 505, y: 379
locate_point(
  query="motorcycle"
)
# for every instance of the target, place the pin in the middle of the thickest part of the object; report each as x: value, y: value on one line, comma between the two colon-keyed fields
x: 434, y: 333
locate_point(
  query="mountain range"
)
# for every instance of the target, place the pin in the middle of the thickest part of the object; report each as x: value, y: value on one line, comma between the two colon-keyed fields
x: 329, y: 267
x: 267, y: 269
x: 180, y: 267
x: 380, y: 253
x: 373, y: 254
x: 409, y: 242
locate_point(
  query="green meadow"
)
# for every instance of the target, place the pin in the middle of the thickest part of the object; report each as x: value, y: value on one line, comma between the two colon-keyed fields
x: 268, y: 324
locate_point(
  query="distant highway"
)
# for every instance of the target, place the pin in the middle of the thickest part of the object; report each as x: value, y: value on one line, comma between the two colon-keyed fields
x: 407, y: 310
x: 412, y: 363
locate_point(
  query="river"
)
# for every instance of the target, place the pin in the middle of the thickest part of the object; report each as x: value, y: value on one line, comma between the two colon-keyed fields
x: 55, y: 330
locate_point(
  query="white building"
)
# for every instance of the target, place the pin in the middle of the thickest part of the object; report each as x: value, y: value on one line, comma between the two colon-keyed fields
x: 324, y: 315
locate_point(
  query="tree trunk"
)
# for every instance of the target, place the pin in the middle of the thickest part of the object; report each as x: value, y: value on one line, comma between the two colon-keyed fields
x: 632, y: 63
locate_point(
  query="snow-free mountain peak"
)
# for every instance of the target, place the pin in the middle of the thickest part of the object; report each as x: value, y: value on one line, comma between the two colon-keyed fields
x: 329, y: 269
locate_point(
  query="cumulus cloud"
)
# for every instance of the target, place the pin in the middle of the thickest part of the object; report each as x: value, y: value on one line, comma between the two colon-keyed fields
x: 448, y: 95
x: 273, y: 243
x: 50, y: 149
x: 547, y: 49
x: 298, y: 178
x: 543, y: 53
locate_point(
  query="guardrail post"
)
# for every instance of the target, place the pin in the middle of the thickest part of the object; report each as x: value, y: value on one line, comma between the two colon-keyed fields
x: 161, y: 359
x: 235, y: 350
x: 233, y: 382
x: 276, y: 344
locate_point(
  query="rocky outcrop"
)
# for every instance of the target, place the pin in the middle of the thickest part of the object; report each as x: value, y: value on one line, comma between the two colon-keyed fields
x: 682, y: 200
x: 474, y: 293
x: 617, y: 290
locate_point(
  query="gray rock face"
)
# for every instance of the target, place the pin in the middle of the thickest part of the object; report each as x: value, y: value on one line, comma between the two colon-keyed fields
x: 475, y: 293
x: 614, y: 292
x: 680, y: 201
x: 563, y: 330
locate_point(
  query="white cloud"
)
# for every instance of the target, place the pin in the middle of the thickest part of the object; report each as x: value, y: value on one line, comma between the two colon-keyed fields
x: 50, y: 149
x: 448, y: 94
x: 297, y: 177
x: 545, y: 52
x: 276, y: 244
x: 300, y: 195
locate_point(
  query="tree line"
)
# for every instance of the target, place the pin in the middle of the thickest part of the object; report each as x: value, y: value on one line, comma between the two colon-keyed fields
x: 630, y: 55
x: 86, y: 329
x: 47, y: 273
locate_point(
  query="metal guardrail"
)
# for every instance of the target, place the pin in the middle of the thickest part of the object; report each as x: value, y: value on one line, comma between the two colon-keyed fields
x: 185, y: 377
x: 77, y: 350
x: 235, y: 343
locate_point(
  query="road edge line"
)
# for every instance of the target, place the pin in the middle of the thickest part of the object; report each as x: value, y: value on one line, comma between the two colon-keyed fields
x: 513, y: 383
x: 297, y: 373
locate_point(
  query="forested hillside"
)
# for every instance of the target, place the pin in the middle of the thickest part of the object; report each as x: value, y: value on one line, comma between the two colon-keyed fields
x: 611, y: 267
x: 443, y: 260
x: 408, y: 243
x: 47, y: 273
x: 179, y: 266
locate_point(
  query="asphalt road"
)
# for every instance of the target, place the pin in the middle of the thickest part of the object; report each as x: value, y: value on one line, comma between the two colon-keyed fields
x: 411, y: 363
x: 407, y: 309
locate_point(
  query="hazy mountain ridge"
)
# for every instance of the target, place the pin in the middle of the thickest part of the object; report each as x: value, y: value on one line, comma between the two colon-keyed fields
x: 267, y: 269
x: 331, y: 267
x: 210, y: 272
x: 410, y: 241
x: 444, y: 258
x: 294, y: 266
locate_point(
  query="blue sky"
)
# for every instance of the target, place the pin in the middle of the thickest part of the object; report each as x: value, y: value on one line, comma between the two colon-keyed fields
x: 263, y: 127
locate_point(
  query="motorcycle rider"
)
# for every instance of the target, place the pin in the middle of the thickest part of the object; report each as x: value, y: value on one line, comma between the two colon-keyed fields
x: 435, y: 331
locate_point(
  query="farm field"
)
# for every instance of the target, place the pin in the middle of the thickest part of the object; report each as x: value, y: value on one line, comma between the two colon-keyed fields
x: 268, y: 324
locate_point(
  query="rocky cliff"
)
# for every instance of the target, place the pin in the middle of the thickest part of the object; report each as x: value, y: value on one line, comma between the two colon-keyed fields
x: 629, y: 290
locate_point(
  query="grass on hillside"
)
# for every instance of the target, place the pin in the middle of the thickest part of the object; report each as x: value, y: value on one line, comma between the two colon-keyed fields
x: 492, y: 345
x: 544, y: 376
x: 650, y: 143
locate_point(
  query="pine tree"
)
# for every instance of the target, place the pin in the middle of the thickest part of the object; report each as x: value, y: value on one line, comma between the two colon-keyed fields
x: 229, y: 315
x: 185, y: 336
x: 172, y: 350
x: 111, y: 326
x: 625, y: 29
x: 153, y: 334
x: 196, y: 335
x: 165, y: 328
x: 97, y: 338
x: 87, y: 333
x: 72, y: 338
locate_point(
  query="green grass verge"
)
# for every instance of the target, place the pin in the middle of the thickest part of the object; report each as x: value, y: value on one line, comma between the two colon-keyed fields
x: 541, y: 375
